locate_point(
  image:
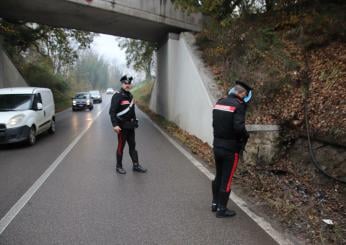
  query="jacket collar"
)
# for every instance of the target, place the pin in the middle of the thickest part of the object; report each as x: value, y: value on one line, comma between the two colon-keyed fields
x: 124, y: 91
x: 236, y: 97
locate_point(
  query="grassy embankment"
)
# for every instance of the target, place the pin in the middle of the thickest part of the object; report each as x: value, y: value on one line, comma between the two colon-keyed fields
x: 38, y: 76
x: 42, y: 75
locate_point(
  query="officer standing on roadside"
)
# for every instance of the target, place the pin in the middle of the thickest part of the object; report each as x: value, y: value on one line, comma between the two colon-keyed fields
x: 123, y: 118
x: 230, y: 137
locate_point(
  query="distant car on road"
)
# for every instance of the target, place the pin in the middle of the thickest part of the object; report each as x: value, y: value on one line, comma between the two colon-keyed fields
x: 25, y: 112
x: 96, y: 96
x: 82, y: 101
x: 110, y: 91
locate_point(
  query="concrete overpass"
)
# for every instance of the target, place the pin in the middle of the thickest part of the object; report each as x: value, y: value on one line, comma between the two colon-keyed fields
x: 148, y: 20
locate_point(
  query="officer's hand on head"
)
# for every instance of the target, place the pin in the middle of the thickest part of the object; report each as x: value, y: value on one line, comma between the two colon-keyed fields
x: 117, y: 129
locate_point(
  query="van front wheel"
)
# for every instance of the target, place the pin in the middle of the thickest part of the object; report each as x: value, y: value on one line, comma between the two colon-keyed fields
x: 32, y: 136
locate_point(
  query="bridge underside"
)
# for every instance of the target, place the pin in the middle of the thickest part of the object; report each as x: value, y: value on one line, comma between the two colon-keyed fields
x: 104, y: 16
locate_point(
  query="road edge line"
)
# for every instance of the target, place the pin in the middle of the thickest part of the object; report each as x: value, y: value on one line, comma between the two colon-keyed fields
x: 265, y: 225
x: 25, y: 198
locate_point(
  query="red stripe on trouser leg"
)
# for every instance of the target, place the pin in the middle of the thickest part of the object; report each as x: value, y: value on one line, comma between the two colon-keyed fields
x: 235, y: 163
x: 120, y: 143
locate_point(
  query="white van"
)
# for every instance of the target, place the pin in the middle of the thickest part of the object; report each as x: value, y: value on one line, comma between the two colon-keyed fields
x: 25, y: 113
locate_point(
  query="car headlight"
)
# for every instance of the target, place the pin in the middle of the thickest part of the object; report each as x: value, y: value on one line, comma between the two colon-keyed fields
x: 15, y: 121
x: 88, y: 102
x: 74, y: 102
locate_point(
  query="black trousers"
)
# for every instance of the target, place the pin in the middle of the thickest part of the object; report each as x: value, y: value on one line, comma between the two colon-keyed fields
x: 126, y: 135
x: 226, y: 164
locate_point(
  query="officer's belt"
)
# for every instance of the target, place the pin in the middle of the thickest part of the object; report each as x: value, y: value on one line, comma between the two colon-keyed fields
x: 123, y: 112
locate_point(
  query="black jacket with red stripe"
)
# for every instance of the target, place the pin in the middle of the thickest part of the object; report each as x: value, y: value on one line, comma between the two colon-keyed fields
x: 120, y: 101
x: 229, y: 123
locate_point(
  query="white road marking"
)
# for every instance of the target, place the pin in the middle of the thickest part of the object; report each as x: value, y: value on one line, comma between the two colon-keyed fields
x: 266, y: 226
x: 19, y: 205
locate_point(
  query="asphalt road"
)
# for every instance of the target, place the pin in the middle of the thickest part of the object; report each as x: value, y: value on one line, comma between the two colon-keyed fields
x: 85, y: 202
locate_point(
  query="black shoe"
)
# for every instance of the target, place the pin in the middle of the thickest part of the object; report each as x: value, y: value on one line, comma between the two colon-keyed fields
x: 224, y: 213
x: 138, y: 168
x: 213, y: 207
x: 120, y: 170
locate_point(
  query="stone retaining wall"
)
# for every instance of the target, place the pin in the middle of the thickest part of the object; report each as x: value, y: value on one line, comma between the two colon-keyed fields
x: 263, y: 144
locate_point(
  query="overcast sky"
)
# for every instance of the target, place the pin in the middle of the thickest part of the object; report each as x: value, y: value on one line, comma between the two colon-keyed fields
x: 107, y: 46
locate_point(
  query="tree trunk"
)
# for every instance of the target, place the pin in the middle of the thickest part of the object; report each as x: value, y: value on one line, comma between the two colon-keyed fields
x: 148, y: 72
x: 269, y: 5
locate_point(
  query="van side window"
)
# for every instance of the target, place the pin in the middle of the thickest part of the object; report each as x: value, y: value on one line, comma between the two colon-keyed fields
x: 37, y: 99
x: 44, y: 97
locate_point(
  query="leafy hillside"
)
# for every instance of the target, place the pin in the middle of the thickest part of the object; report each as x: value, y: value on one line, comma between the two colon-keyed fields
x: 291, y: 52
x: 286, y: 54
x: 294, y: 53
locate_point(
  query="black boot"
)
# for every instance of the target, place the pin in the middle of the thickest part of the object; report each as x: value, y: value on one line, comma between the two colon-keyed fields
x: 215, y: 192
x: 120, y: 170
x: 213, y: 206
x: 138, y: 168
x: 222, y: 210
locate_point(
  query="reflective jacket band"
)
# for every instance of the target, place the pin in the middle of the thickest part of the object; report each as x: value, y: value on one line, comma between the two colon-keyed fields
x: 123, y: 112
x: 225, y: 108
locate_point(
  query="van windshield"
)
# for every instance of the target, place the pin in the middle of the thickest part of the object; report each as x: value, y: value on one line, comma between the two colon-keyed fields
x: 15, y: 102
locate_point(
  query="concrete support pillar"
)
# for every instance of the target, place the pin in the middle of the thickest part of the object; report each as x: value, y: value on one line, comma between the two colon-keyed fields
x: 9, y: 75
x: 179, y: 93
x: 164, y: 90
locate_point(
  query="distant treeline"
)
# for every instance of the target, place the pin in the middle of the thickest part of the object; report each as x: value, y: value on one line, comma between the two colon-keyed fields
x: 57, y: 58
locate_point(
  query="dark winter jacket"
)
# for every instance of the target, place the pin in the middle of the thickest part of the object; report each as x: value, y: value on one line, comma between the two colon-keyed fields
x: 229, y: 123
x: 120, y: 101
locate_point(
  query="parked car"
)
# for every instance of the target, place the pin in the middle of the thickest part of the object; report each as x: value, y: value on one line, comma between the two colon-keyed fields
x: 110, y: 91
x: 82, y: 101
x: 96, y: 96
x: 25, y: 113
